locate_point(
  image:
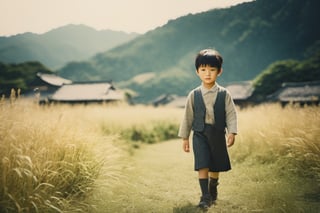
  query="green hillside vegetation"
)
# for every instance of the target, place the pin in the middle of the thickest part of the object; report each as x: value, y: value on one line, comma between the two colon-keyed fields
x: 61, y: 45
x: 85, y: 71
x: 271, y: 79
x: 250, y: 36
x: 19, y: 76
x: 281, y: 40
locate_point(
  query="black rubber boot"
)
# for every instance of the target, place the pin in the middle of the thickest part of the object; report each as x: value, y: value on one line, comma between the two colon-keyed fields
x: 205, y: 202
x: 213, y: 184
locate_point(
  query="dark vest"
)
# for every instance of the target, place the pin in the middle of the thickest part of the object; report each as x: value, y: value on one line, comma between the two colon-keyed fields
x: 200, y: 111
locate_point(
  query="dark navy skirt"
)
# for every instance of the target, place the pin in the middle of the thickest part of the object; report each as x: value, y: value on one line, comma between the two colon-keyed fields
x: 210, y: 150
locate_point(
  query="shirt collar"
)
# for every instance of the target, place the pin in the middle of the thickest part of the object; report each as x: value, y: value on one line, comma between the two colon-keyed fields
x: 212, y: 89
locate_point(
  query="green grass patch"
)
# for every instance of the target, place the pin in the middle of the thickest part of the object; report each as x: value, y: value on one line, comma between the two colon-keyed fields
x: 151, y: 133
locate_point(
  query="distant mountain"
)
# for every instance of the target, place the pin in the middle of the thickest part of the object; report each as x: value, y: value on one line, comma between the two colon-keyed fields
x: 61, y: 45
x: 250, y: 36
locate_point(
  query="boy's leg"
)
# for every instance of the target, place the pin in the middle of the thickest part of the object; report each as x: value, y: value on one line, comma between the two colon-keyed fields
x: 203, y: 173
x: 205, y: 200
x: 214, y: 175
x: 204, y: 180
x: 213, y: 183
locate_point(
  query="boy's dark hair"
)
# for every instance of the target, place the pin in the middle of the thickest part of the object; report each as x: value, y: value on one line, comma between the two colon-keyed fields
x: 209, y: 57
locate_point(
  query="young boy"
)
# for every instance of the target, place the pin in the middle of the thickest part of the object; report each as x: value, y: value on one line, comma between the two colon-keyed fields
x: 209, y: 112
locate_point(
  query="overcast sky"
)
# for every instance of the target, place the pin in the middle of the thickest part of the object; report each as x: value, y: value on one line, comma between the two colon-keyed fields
x: 40, y: 16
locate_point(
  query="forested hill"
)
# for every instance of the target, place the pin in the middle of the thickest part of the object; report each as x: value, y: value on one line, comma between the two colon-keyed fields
x: 61, y: 45
x: 250, y: 36
x: 20, y: 76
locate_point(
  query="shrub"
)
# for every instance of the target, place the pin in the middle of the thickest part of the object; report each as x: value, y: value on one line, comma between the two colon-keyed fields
x: 155, y: 132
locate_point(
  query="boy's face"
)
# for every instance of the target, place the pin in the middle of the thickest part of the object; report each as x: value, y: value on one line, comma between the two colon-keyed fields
x: 208, y: 75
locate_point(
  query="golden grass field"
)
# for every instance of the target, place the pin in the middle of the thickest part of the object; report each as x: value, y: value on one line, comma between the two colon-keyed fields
x: 108, y: 158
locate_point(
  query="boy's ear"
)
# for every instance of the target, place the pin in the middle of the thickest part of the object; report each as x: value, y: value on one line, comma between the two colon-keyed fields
x: 220, y: 71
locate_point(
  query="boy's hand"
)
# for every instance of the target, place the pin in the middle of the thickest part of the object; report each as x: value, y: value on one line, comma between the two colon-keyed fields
x: 230, y: 139
x: 185, y: 145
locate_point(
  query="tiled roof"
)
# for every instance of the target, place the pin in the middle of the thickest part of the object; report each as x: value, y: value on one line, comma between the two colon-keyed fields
x: 179, y: 101
x: 86, y: 92
x: 170, y: 100
x: 240, y: 90
x: 53, y: 79
x: 302, y: 91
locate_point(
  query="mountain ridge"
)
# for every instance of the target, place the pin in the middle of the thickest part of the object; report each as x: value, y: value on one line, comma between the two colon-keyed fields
x: 60, y: 45
x: 250, y: 36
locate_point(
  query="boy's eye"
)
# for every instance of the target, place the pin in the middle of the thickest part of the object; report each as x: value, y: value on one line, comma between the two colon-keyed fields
x: 211, y: 70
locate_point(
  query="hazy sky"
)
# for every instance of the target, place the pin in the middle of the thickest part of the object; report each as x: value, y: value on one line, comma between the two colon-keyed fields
x: 39, y: 16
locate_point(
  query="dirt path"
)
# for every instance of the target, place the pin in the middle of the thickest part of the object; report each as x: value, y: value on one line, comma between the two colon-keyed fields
x: 165, y: 177
x: 159, y: 178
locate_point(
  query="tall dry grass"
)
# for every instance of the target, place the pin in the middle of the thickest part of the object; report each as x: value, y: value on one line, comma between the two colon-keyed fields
x: 53, y: 156
x: 276, y: 158
x: 269, y: 133
x: 48, y: 157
